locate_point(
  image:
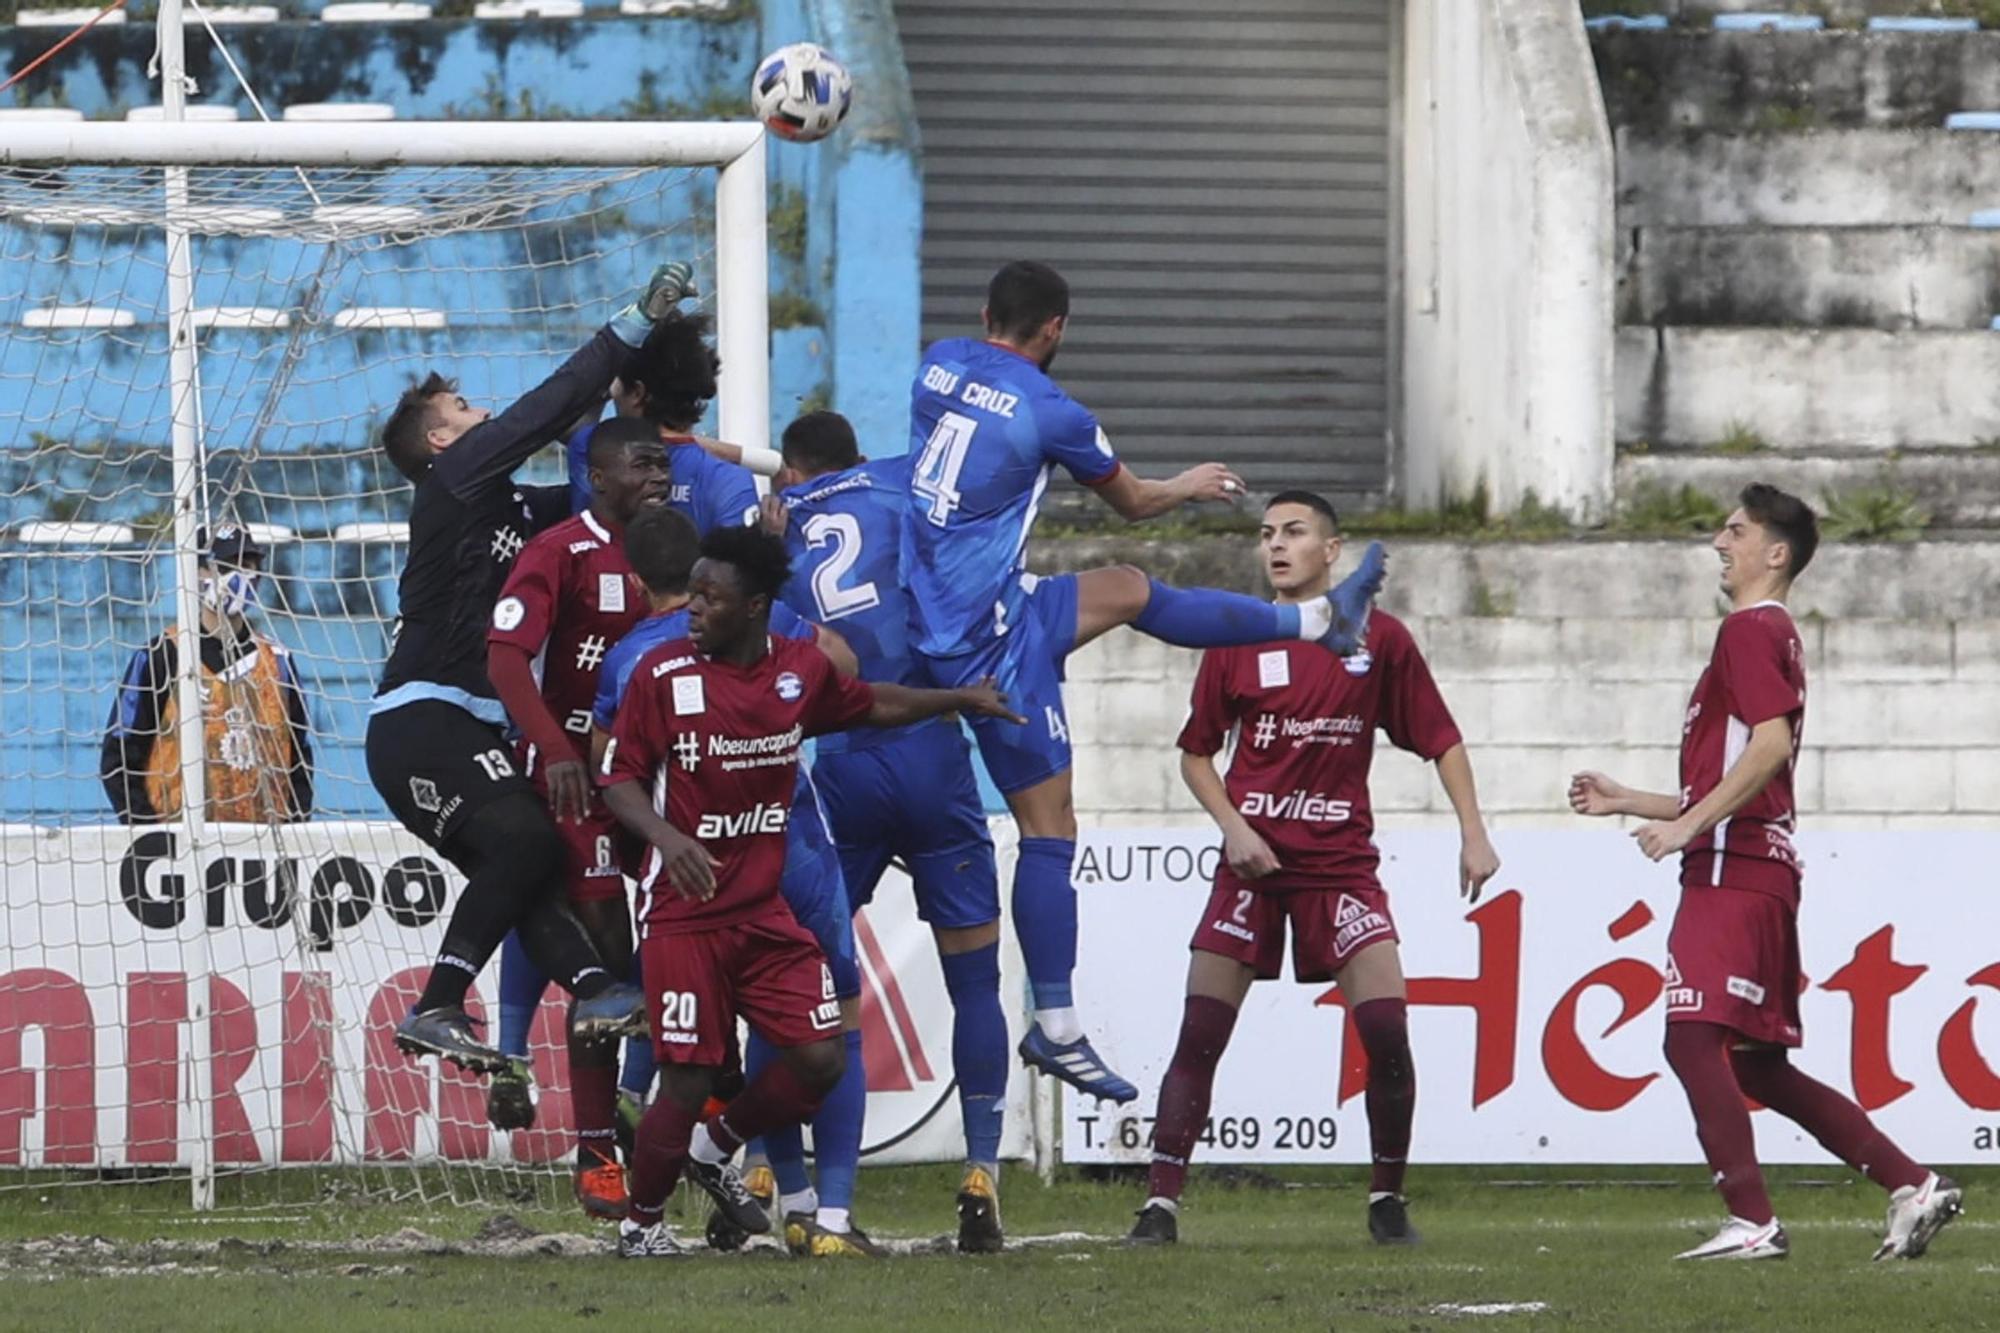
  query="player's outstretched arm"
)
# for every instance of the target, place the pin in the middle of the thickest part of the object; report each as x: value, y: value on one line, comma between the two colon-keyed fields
x: 690, y: 869
x: 1477, y: 861
x: 900, y: 705
x: 1242, y: 846
x: 1136, y: 498
x: 492, y: 450
x: 1595, y: 794
x: 1769, y: 750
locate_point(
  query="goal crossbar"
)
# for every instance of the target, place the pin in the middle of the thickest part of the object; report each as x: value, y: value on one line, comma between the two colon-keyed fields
x: 384, y: 144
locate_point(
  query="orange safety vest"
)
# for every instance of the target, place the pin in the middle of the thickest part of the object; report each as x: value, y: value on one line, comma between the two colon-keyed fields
x: 248, y: 738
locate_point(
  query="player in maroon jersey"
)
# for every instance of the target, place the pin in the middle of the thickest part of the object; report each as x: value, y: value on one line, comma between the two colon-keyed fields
x: 701, y: 764
x: 570, y: 596
x: 1297, y: 848
x: 1733, y: 978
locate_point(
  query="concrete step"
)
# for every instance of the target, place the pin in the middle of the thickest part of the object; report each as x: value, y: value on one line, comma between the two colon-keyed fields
x: 1958, y: 490
x: 1729, y: 82
x: 1929, y: 580
x: 1813, y: 277
x: 1808, y: 390
x: 1837, y: 13
x: 1823, y: 178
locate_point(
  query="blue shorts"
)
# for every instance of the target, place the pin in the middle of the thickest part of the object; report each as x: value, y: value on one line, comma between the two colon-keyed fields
x: 1028, y: 662
x: 813, y: 888
x: 914, y: 797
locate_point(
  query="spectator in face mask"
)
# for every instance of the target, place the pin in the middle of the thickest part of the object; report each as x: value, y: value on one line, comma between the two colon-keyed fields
x: 256, y: 735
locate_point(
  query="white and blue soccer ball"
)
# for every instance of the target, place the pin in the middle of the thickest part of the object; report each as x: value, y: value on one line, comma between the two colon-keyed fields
x: 801, y: 92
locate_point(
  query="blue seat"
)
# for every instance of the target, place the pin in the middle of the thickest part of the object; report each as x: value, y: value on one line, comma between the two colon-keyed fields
x: 1973, y: 120
x: 1768, y: 21
x: 1627, y: 23
x: 1986, y: 219
x: 1915, y: 23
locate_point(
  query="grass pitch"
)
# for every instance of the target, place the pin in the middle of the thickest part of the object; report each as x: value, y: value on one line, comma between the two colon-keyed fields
x: 1505, y: 1249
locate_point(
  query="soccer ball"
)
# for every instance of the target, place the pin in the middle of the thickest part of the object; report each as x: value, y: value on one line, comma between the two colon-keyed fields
x: 801, y: 92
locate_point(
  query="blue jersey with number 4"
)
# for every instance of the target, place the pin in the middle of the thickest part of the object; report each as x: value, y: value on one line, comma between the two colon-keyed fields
x: 987, y: 429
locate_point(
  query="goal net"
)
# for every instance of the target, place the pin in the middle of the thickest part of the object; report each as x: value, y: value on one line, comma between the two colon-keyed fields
x: 316, y: 287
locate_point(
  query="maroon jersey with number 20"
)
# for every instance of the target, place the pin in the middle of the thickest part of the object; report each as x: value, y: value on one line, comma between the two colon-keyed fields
x: 1757, y: 672
x: 1305, y: 725
x: 718, y: 747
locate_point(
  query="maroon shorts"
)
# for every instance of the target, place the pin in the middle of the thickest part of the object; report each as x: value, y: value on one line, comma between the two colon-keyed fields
x: 768, y: 970
x: 1329, y: 926
x: 591, y: 854
x: 1733, y: 960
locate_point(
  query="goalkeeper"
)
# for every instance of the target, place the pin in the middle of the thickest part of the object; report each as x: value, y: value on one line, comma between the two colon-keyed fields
x: 436, y: 748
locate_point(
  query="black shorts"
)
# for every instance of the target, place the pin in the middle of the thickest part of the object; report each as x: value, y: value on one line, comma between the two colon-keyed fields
x: 435, y: 764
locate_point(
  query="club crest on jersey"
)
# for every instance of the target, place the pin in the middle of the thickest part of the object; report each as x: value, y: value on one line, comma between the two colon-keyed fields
x: 425, y: 793
x: 1274, y: 669
x: 789, y: 686
x: 688, y: 697
x: 508, y: 613
x: 1681, y: 997
x: 1354, y: 921
x: 1357, y: 662
x: 611, y: 594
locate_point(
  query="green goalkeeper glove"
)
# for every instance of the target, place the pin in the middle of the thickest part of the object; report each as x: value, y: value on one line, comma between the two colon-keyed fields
x: 670, y: 284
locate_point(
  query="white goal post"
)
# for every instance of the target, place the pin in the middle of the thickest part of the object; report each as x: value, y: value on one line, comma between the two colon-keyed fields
x: 150, y: 177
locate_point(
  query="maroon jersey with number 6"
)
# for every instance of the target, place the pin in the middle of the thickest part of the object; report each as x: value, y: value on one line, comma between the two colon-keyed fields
x: 1756, y: 673
x: 570, y: 596
x: 717, y: 746
x: 1305, y: 723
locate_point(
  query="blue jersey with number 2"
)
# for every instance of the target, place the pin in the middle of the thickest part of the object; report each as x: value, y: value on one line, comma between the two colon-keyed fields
x: 844, y: 538
x: 987, y: 429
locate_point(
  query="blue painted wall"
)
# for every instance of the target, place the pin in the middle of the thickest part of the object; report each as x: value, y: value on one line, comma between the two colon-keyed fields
x: 83, y: 420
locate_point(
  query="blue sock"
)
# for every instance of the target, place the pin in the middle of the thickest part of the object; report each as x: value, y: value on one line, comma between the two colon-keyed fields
x: 1210, y: 618
x: 1045, y: 918
x: 784, y: 1148
x: 837, y: 1131
x: 521, y: 987
x: 978, y: 1048
x: 638, y: 1066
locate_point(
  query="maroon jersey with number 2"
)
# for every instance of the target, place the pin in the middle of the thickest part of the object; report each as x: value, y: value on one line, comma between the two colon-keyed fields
x: 1305, y: 724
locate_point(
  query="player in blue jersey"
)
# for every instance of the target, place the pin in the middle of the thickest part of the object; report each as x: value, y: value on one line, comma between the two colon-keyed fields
x: 670, y: 381
x: 988, y: 427
x: 905, y: 793
x: 662, y: 549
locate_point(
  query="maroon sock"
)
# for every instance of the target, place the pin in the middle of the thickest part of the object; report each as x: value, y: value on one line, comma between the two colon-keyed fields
x: 593, y: 1092
x: 659, y: 1152
x: 1384, y: 1026
x: 775, y: 1098
x: 1205, y: 1027
x: 1841, y: 1127
x: 1699, y: 1055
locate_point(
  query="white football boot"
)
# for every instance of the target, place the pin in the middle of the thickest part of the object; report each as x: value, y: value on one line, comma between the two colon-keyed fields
x: 1917, y: 1213
x: 1739, y: 1239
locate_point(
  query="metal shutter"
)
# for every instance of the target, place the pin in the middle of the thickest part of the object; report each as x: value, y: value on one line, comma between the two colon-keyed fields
x: 1213, y: 180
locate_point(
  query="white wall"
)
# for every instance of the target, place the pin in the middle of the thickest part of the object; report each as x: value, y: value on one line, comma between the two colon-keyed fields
x: 1507, y: 246
x: 1902, y: 728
